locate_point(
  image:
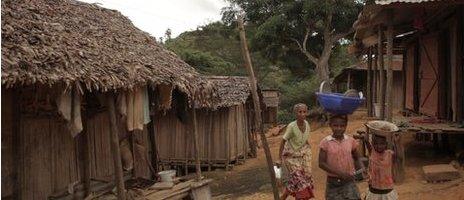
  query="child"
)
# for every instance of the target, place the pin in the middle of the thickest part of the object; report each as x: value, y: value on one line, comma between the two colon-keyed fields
x: 295, y: 153
x: 380, y: 170
x: 338, y: 157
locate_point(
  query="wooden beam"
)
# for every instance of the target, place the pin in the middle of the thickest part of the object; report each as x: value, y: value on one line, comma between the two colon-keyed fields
x: 115, y: 151
x: 389, y: 35
x: 369, y: 82
x: 257, y: 106
x: 381, y: 72
x: 404, y: 77
x: 195, y: 143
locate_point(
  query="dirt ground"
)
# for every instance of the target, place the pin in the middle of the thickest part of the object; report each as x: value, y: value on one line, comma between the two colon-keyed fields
x: 250, y: 180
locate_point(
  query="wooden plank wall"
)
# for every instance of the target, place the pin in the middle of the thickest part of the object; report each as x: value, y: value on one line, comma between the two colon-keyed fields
x: 8, y: 167
x: 409, y: 70
x: 398, y: 89
x: 223, y: 136
x: 98, y: 132
x: 141, y: 150
x: 49, y: 156
x: 429, y: 80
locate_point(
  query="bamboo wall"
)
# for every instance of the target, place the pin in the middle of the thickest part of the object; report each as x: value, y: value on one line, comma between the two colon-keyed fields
x: 7, y: 144
x: 223, y: 136
x: 48, y: 158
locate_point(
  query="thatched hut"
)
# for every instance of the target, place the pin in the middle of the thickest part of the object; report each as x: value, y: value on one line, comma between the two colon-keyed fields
x: 271, y: 100
x: 65, y: 65
x: 224, y: 129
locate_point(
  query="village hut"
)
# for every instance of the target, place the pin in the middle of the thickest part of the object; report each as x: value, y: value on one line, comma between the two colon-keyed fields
x: 429, y: 36
x: 79, y: 86
x: 271, y: 100
x: 224, y: 129
x: 355, y: 77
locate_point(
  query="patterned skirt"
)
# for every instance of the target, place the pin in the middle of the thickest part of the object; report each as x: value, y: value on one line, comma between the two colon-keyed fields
x: 297, y: 171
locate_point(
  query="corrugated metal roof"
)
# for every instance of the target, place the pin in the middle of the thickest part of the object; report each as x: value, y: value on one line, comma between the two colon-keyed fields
x: 386, y: 2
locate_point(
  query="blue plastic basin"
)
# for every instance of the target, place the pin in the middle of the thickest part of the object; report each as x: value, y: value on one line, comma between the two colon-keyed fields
x: 337, y: 103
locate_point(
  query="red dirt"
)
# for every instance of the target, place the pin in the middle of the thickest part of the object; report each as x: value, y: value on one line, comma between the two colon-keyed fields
x: 250, y: 180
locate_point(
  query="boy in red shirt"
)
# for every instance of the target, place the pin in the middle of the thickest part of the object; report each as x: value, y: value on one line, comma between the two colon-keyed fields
x: 338, y: 157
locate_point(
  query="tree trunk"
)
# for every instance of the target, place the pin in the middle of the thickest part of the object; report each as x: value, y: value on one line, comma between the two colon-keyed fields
x: 322, y: 70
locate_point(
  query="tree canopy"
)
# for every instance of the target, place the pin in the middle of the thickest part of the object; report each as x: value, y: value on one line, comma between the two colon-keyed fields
x: 309, y: 30
x: 214, y: 49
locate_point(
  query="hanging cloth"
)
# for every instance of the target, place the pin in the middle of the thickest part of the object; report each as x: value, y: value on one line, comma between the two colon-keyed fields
x: 69, y: 108
x: 146, y: 106
x: 135, y: 111
x: 164, y: 97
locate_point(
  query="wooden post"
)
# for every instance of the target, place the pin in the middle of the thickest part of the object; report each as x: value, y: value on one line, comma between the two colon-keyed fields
x: 404, y: 77
x: 256, y: 103
x: 375, y: 87
x: 382, y: 73
x: 389, y: 112
x: 369, y: 82
x: 195, y: 143
x: 115, y: 151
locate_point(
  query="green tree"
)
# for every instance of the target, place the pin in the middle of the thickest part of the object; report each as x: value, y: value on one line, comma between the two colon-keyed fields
x: 314, y: 28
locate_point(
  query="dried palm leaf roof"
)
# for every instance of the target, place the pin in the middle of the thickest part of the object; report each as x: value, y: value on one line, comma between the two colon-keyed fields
x: 271, y: 97
x: 70, y: 42
x: 231, y: 90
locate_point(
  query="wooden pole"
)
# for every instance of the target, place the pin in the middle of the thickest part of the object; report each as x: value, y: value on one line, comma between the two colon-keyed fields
x: 196, y: 145
x: 375, y: 87
x: 382, y: 73
x: 258, y: 119
x: 389, y: 34
x: 115, y: 151
x: 369, y: 82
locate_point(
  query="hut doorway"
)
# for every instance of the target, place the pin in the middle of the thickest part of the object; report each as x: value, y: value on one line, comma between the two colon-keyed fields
x: 428, y: 75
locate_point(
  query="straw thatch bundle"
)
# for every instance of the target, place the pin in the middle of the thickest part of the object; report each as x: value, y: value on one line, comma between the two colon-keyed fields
x: 78, y: 44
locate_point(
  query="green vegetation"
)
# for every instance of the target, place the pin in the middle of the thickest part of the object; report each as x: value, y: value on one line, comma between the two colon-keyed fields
x: 214, y: 49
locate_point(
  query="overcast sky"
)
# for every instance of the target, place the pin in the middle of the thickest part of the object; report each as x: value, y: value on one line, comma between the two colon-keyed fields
x: 155, y: 16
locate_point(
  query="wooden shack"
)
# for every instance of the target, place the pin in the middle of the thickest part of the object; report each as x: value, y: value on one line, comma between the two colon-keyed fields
x: 224, y: 129
x: 65, y: 65
x: 355, y: 77
x: 271, y: 100
x: 429, y: 36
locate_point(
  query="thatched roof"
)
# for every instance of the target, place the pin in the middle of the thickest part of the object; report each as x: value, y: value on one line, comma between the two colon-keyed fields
x: 271, y: 98
x: 231, y: 90
x: 66, y: 41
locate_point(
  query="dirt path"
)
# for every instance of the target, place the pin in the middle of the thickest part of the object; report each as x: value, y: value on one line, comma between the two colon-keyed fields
x: 250, y: 180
